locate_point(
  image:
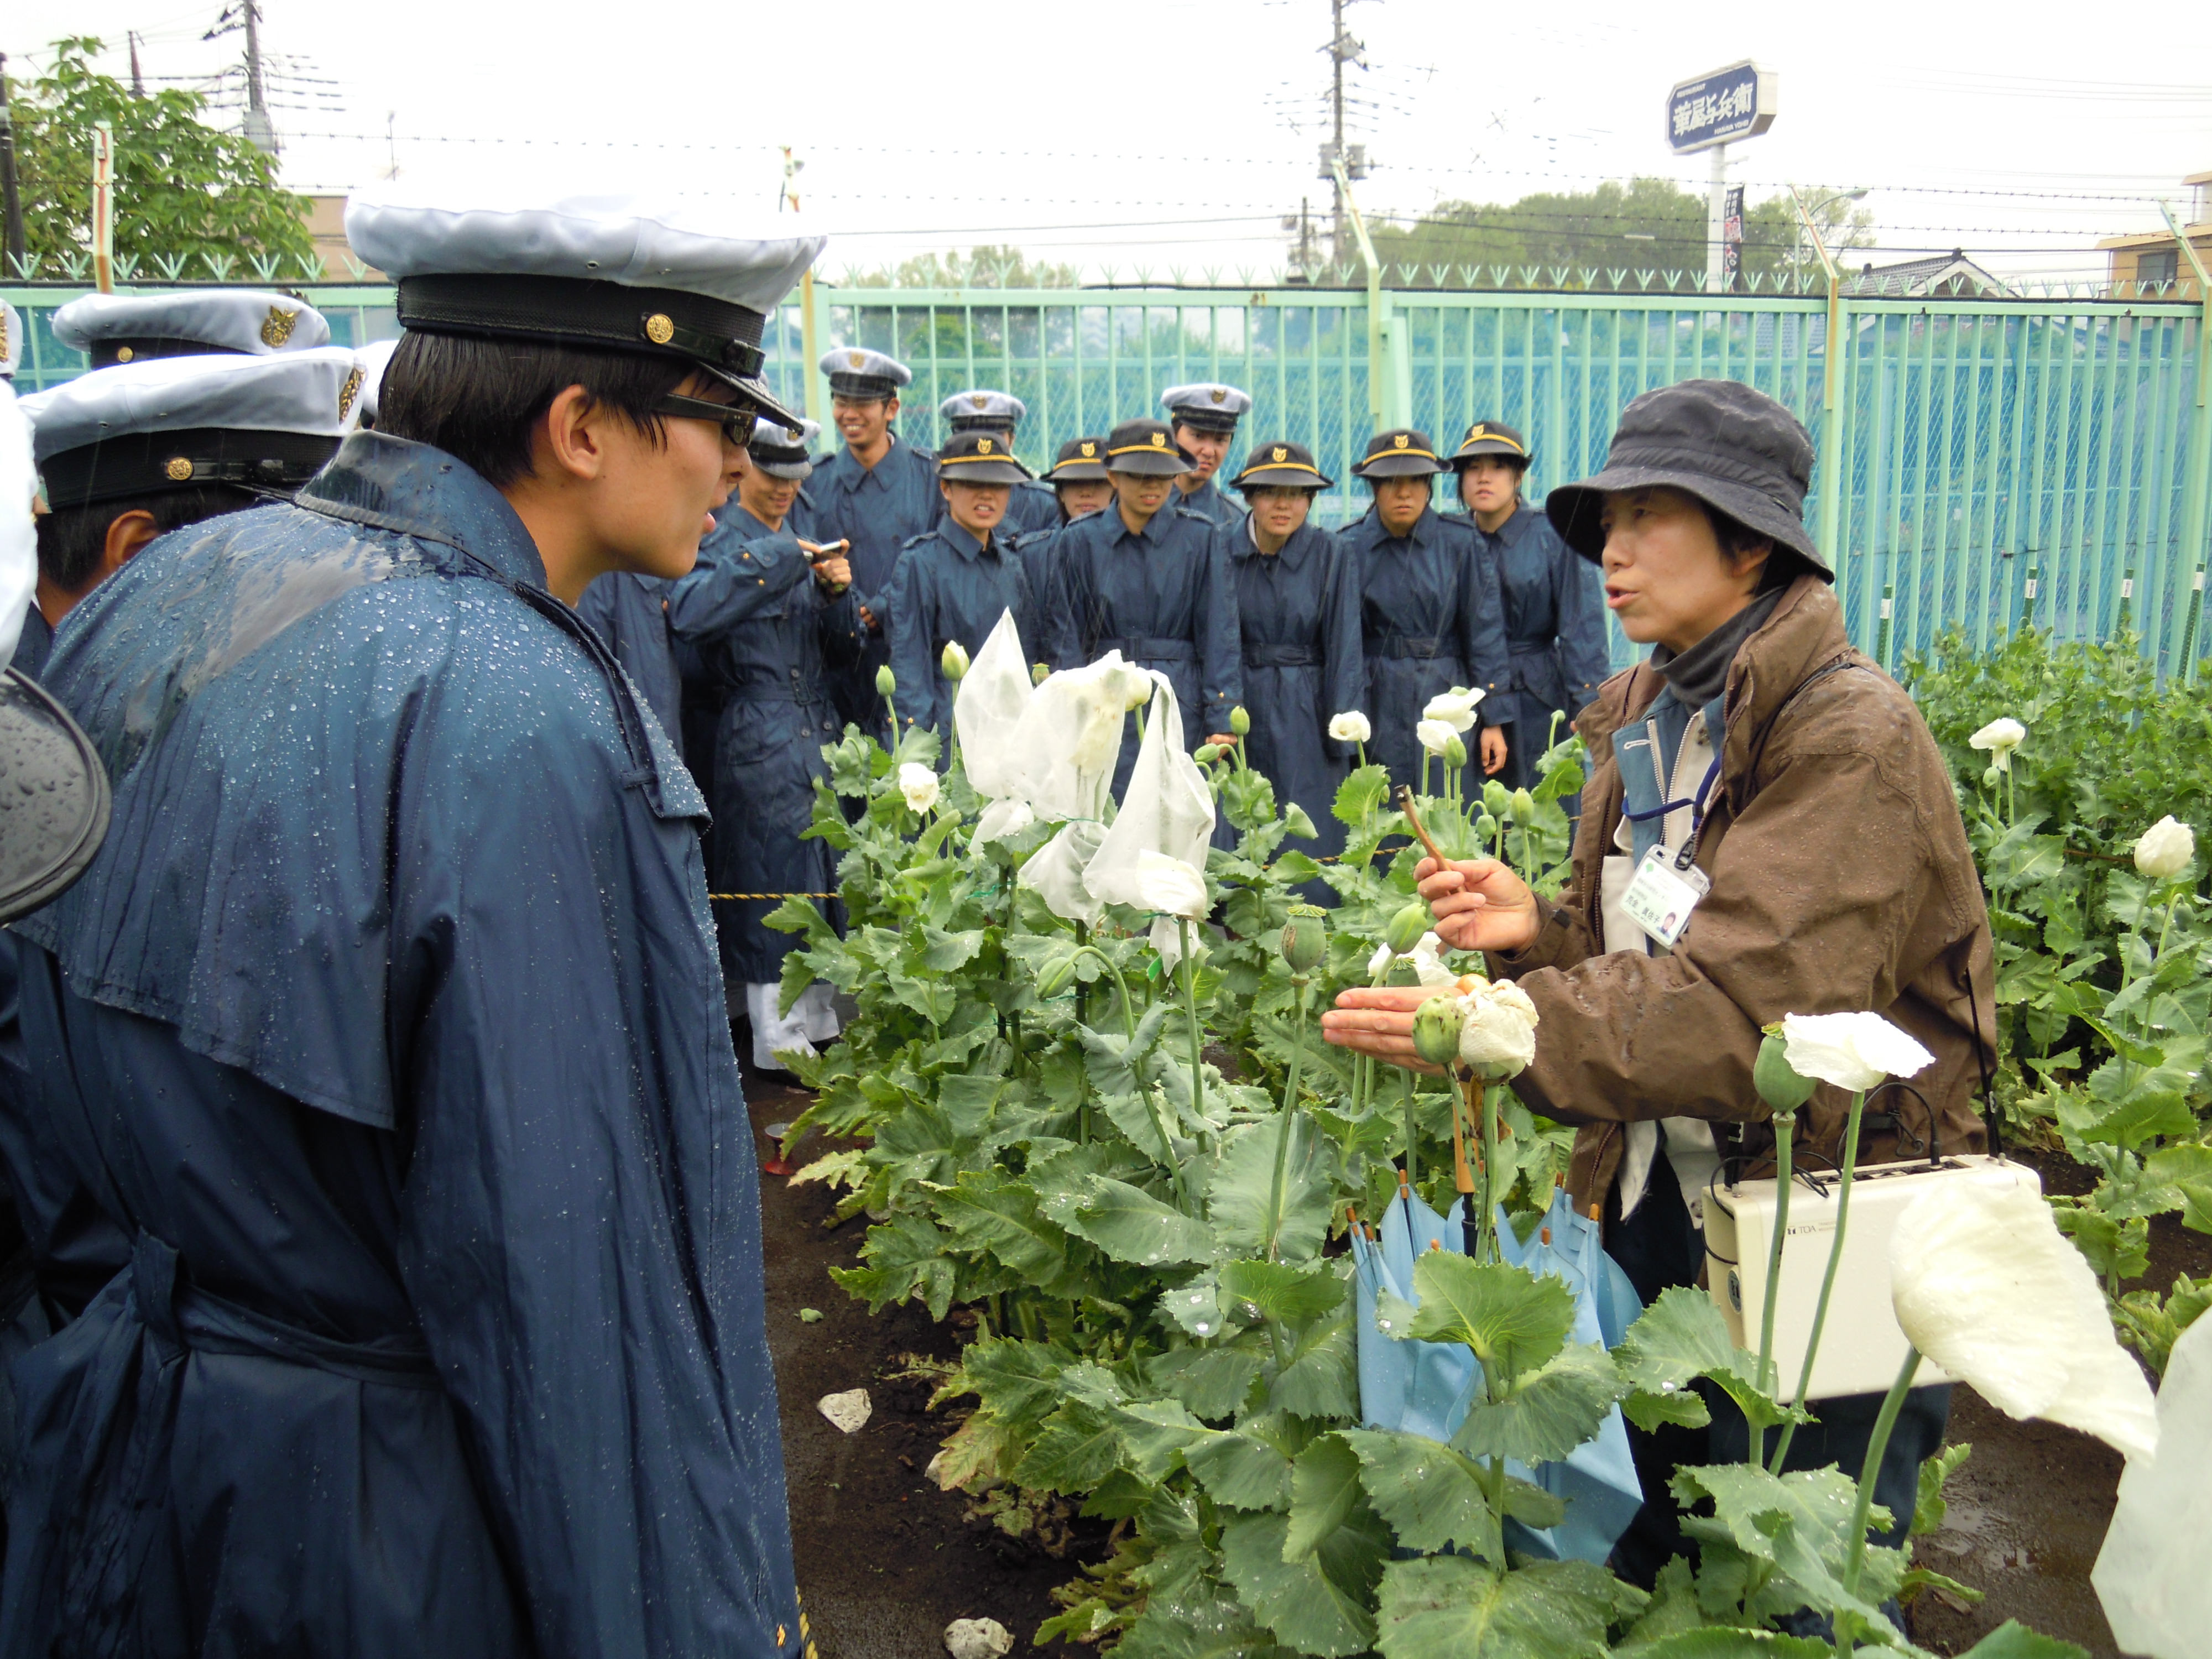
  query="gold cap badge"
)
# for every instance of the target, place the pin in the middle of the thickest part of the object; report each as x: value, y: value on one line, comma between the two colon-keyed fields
x: 123, y: 354
x: 980, y: 401
x: 984, y: 447
x: 1478, y: 430
x: 1281, y: 454
x: 179, y: 468
x: 348, y: 392
x: 276, y: 327
x: 1159, y: 440
x: 1220, y: 394
x: 856, y: 359
x: 1402, y: 440
x: 659, y: 329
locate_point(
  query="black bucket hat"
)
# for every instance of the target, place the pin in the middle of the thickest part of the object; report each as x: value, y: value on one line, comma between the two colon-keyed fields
x: 1145, y: 447
x: 1734, y: 449
x: 979, y: 458
x: 1081, y: 460
x: 1280, y: 467
x: 1491, y: 438
x: 1401, y: 453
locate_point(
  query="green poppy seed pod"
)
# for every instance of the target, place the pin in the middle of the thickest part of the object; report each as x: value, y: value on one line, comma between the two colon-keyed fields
x: 1454, y: 751
x: 1305, y: 938
x: 1239, y: 721
x: 954, y: 661
x: 1485, y: 827
x: 1406, y: 927
x: 1496, y: 798
x: 1435, y: 1030
x: 1039, y: 673
x: 886, y: 682
x: 1778, y: 1086
x: 1993, y: 778
x: 1056, y: 975
x: 1206, y: 753
x: 1523, y: 806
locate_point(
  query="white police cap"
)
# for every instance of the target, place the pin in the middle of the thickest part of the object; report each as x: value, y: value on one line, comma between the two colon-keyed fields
x: 857, y: 372
x: 369, y: 364
x: 964, y: 412
x: 11, y: 340
x: 129, y: 328
x: 266, y: 423
x: 617, y: 271
x: 1209, y: 406
x: 781, y: 453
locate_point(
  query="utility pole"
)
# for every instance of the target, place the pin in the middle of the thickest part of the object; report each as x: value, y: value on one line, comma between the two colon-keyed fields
x: 1339, y: 164
x: 18, y: 265
x: 137, y: 80
x: 259, y: 132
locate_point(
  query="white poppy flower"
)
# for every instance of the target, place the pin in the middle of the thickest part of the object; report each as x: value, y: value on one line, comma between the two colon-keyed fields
x: 1436, y: 736
x: 1003, y: 818
x: 1985, y: 1284
x: 1351, y: 727
x: 919, y: 784
x: 1454, y: 707
x: 1499, y: 1037
x: 1428, y: 960
x: 1170, y: 886
x: 2164, y: 850
x: 2000, y: 738
x: 1852, y: 1051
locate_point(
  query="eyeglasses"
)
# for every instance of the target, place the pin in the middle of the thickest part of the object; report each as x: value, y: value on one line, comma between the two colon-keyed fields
x: 736, y: 420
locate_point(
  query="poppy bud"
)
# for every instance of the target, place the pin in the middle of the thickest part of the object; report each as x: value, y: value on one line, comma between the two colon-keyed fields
x: 1523, y: 805
x: 1305, y: 938
x: 886, y: 682
x: 1435, y: 1030
x: 1056, y: 975
x: 954, y: 661
x: 1779, y: 1084
x: 1485, y: 827
x: 1454, y: 751
x: 1206, y: 753
x: 1239, y: 721
x: 1496, y: 798
x: 1039, y: 673
x: 1406, y: 927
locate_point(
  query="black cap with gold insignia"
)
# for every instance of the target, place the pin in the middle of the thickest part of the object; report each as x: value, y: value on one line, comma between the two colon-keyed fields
x: 1491, y: 438
x: 1401, y: 453
x: 1081, y: 460
x: 1280, y: 467
x: 1145, y: 447
x: 979, y: 458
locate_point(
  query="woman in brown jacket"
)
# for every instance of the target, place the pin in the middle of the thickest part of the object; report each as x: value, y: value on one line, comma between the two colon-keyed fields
x: 1756, y: 744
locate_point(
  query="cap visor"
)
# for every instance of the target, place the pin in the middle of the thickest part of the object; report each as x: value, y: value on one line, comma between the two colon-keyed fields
x: 1077, y: 472
x: 1489, y: 447
x: 1280, y: 477
x: 982, y: 472
x: 757, y: 393
x: 1575, y: 510
x: 1152, y: 463
x: 1398, y: 466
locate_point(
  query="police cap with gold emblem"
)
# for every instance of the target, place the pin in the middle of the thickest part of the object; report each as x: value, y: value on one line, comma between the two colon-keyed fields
x: 1280, y: 467
x: 781, y: 453
x: 621, y: 273
x: 264, y: 424
x: 1208, y: 407
x: 1081, y: 460
x: 1401, y: 453
x: 982, y: 411
x: 1145, y: 447
x: 979, y: 458
x: 130, y: 328
x: 368, y: 363
x: 860, y: 375
x: 1491, y: 438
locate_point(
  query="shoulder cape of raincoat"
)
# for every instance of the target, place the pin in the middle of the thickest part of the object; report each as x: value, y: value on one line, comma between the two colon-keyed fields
x: 388, y: 1022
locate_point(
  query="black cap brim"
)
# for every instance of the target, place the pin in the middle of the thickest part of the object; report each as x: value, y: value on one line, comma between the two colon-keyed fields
x: 1466, y: 453
x: 1077, y: 472
x: 53, y: 822
x: 1208, y: 422
x: 1280, y: 477
x: 1152, y: 463
x: 1575, y: 510
x: 1389, y: 465
x: 982, y: 469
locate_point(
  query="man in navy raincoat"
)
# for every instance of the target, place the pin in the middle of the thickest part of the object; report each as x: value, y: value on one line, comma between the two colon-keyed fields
x: 772, y: 615
x: 1554, y: 601
x: 876, y: 494
x: 1433, y: 619
x: 1144, y: 578
x: 1297, y: 605
x: 387, y: 1022
x: 1031, y: 504
x: 1202, y: 420
x: 955, y: 583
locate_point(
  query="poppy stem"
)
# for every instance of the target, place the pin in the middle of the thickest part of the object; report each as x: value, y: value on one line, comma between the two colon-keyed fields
x: 1835, y: 1258
x: 1869, y: 1472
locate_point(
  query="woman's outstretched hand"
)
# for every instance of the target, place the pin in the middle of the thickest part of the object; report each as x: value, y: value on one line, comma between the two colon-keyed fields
x: 1480, y: 905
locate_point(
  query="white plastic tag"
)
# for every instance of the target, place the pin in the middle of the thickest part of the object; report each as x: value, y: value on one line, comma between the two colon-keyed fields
x: 1660, y: 898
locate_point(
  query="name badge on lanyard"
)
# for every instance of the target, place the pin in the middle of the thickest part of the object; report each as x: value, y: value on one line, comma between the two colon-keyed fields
x: 1667, y: 884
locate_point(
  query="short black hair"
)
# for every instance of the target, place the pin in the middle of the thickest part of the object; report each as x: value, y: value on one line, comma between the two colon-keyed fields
x: 73, y: 540
x: 477, y: 399
x: 1783, y: 564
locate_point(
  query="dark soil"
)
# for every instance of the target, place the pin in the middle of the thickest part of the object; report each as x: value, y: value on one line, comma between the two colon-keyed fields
x: 885, y: 1561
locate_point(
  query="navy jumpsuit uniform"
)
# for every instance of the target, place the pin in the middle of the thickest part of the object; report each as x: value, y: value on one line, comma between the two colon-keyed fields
x: 1554, y: 634
x: 878, y: 509
x: 949, y: 587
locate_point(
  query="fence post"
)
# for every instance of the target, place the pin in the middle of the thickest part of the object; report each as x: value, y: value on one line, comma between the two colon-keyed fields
x: 2198, y: 467
x: 1831, y: 422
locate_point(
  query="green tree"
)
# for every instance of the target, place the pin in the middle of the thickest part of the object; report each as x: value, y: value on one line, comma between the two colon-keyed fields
x: 1002, y: 266
x: 183, y: 189
x: 1646, y: 224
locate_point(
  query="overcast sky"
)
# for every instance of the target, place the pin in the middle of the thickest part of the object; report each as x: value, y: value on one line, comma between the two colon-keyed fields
x: 2021, y: 132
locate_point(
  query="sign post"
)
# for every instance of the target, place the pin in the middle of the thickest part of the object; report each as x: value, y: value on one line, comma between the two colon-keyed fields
x: 1708, y: 114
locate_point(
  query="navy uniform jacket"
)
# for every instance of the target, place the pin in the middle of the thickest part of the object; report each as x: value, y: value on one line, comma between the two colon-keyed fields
x: 1433, y: 620
x: 36, y: 640
x: 880, y: 509
x: 770, y: 637
x: 1554, y: 624
x: 1298, y: 610
x: 949, y: 586
x: 1031, y: 507
x: 1164, y: 598
x: 627, y: 611
x: 388, y: 1022
x: 1209, y: 503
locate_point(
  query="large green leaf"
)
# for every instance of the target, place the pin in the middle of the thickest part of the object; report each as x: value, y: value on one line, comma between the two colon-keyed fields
x: 1156, y: 1432
x: 1720, y: 1642
x: 1131, y: 1225
x: 1322, y: 1377
x: 1018, y: 1382
x: 947, y: 952
x: 1209, y: 1381
x: 1449, y: 1607
x: 1078, y: 1447
x: 1360, y: 793
x: 1202, y: 1621
x: 905, y: 1257
x: 1275, y: 1290
x: 2014, y: 1640
x: 1324, y: 1491
x: 991, y: 1209
x: 1513, y: 1320
x: 1115, y: 1061
x: 1680, y: 1338
x: 1550, y: 1412
x: 1432, y: 1497
x: 1797, y: 1524
x: 1240, y: 1468
x: 1316, y: 1603
x: 1243, y: 1184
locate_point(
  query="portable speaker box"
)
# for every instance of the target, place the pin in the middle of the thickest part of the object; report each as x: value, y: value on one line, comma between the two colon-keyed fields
x: 1860, y: 1344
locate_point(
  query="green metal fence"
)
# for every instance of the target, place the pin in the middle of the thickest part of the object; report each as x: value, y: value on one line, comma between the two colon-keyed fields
x: 2000, y: 459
